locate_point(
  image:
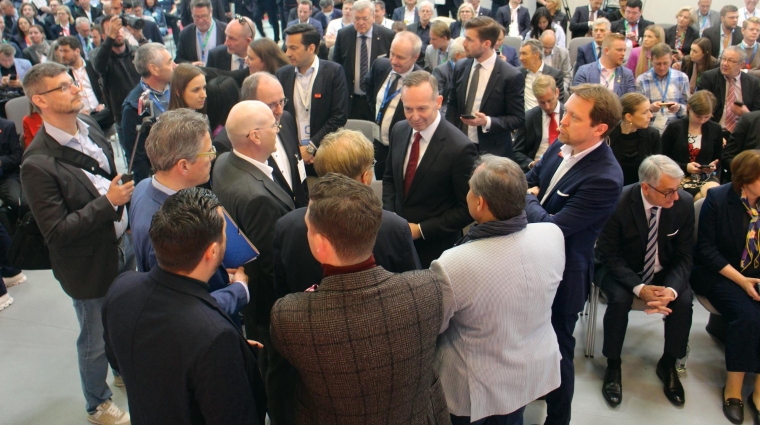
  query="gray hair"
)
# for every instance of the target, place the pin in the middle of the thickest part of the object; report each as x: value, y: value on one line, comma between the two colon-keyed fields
x: 34, y: 80
x: 653, y: 167
x: 418, y: 78
x: 81, y: 20
x: 412, y: 38
x: 250, y: 88
x: 425, y: 3
x: 535, y: 47
x: 177, y: 134
x: 736, y: 49
x: 456, y: 47
x: 7, y: 49
x: 602, y: 21
x: 502, y: 184
x: 148, y: 54
x: 363, y: 5
x: 326, y: 3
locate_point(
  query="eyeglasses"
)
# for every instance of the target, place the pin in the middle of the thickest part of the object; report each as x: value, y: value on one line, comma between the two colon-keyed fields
x: 276, y: 126
x: 211, y: 153
x: 282, y: 102
x: 64, y: 88
x: 242, y: 21
x: 205, y: 17
x: 362, y: 18
x: 726, y: 60
x: 668, y: 195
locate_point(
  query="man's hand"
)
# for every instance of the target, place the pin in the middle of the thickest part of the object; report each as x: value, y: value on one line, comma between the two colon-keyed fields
x: 137, y: 34
x: 100, y: 107
x: 657, y: 298
x: 739, y: 110
x: 307, y: 157
x: 255, y: 344
x: 632, y: 36
x: 238, y: 275
x: 116, y: 26
x: 676, y: 66
x: 478, y: 121
x: 415, y: 229
x: 534, y: 190
x: 120, y: 194
x: 675, y: 108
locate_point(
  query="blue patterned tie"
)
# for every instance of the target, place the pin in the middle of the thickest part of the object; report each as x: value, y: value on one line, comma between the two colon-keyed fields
x: 648, y: 273
x: 364, y: 61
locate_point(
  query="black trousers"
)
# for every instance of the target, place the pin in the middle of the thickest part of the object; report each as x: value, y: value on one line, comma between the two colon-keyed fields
x: 444, y: 9
x: 559, y: 401
x: 271, y: 9
x: 743, y: 316
x: 381, y: 156
x: 360, y: 109
x: 619, y: 300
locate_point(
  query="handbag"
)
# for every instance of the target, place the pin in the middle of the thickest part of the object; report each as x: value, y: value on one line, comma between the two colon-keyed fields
x: 29, y: 250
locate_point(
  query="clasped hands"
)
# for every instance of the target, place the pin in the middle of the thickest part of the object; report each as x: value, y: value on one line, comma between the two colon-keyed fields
x: 657, y: 299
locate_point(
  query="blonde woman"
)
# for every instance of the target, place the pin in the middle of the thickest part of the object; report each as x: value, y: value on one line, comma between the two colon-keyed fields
x: 64, y: 23
x: 640, y: 60
x: 680, y: 36
x: 464, y: 14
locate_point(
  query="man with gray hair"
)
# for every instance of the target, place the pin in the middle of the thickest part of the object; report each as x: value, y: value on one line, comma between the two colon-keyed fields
x: 383, y: 85
x: 532, y: 59
x: 83, y: 34
x: 644, y: 252
x: 590, y: 53
x: 485, y: 294
x: 444, y: 72
x: 422, y: 27
x: 155, y: 66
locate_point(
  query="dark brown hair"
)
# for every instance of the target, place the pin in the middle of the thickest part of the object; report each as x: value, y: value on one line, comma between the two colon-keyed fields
x: 181, y: 77
x: 606, y: 109
x: 269, y: 53
x: 487, y: 29
x: 745, y: 169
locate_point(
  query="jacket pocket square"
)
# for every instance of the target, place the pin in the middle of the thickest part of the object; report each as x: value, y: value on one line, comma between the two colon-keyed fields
x: 562, y: 194
x: 673, y: 234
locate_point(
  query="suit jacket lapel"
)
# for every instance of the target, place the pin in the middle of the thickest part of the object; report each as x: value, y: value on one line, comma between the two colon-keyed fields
x: 398, y: 160
x: 495, y: 75
x: 431, y: 153
x: 76, y: 172
x: 736, y: 221
x: 288, y: 85
x: 269, y: 184
x: 639, y: 215
x: 462, y: 89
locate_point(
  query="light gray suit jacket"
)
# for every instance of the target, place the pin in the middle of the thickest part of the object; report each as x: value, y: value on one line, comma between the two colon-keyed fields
x: 497, y: 350
x: 432, y: 56
x: 561, y: 60
x: 714, y: 20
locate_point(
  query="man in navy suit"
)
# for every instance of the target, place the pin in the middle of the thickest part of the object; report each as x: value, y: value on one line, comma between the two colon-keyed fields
x: 327, y: 13
x: 514, y: 26
x: 632, y: 25
x: 538, y: 133
x: 495, y: 104
x: 576, y: 185
x: 591, y: 52
x: 304, y: 17
x: 506, y: 53
x: 609, y: 70
x: 582, y: 22
x: 408, y: 14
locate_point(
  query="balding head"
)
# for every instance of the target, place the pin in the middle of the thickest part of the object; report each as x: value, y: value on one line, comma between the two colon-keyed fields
x: 250, y: 127
x: 548, y: 40
x: 266, y: 88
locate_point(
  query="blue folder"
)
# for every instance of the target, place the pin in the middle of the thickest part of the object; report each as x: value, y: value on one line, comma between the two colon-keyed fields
x: 240, y: 250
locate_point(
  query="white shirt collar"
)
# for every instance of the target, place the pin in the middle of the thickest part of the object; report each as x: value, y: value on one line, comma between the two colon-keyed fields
x: 266, y: 169
x: 63, y: 137
x: 313, y: 69
x: 428, y: 132
x: 489, y: 63
x: 540, y: 69
x: 162, y: 188
x: 567, y: 152
x: 368, y: 34
x: 648, y: 206
x: 556, y: 109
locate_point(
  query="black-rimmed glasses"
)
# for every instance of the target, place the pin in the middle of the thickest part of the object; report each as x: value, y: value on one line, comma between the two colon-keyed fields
x: 65, y: 87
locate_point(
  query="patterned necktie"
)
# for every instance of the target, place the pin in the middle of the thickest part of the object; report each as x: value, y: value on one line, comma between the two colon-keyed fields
x: 730, y: 117
x: 749, y: 255
x: 364, y: 59
x: 553, y: 130
x: 648, y: 273
x: 242, y: 63
x: 471, y: 93
x: 599, y: 52
x: 411, y: 166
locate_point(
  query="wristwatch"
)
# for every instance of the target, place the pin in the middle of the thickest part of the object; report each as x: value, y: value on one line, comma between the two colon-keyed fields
x: 311, y: 149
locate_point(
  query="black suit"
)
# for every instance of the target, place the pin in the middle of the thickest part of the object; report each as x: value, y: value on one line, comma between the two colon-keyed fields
x: 436, y: 199
x: 329, y: 98
x: 528, y: 137
x: 675, y: 143
x: 559, y: 78
x: 186, y: 50
x: 95, y: 11
x: 345, y: 54
x: 713, y: 34
x: 619, y: 27
x: 376, y: 77
x: 219, y: 7
x: 503, y: 101
x: 691, y: 35
x: 504, y: 17
x: 219, y: 58
x: 289, y: 137
x: 714, y: 81
x: 620, y: 252
x: 56, y: 31
x: 746, y: 136
x: 200, y: 368
x: 579, y: 22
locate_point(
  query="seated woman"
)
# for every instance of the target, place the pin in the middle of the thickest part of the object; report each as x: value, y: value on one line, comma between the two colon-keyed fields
x: 699, y: 61
x: 558, y: 17
x: 39, y: 51
x: 680, y: 36
x: 156, y: 12
x: 21, y: 37
x: 65, y: 23
x: 540, y: 21
x: 464, y: 14
x: 695, y: 141
x: 640, y: 60
x: 726, y: 271
x: 633, y: 140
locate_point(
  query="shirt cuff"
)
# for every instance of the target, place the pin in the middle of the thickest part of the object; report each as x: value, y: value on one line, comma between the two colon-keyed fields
x: 247, y: 293
x: 422, y: 235
x: 637, y: 289
x: 675, y: 293
x: 487, y: 127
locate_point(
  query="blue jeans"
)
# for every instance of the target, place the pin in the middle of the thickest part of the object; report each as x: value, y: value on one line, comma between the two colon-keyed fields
x: 91, y: 347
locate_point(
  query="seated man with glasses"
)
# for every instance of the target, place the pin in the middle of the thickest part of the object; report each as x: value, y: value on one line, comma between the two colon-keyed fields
x: 644, y: 251
x: 179, y: 148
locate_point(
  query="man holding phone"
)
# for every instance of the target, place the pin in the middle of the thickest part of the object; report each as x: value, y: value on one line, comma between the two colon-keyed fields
x: 12, y: 69
x: 667, y: 89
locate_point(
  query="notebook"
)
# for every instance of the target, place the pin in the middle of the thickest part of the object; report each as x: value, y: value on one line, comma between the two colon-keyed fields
x: 240, y: 250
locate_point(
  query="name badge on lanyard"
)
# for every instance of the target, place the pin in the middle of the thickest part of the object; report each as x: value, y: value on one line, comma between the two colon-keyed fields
x: 304, y: 122
x: 661, y: 119
x: 203, y: 43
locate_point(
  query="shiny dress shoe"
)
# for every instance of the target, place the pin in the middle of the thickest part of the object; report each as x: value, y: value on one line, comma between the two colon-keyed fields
x: 753, y: 409
x: 612, y: 388
x: 733, y: 408
x: 673, y: 388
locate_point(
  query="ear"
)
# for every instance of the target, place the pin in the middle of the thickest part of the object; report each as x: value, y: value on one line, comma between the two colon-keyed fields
x: 366, y: 177
x: 183, y: 166
x: 212, y: 252
x: 600, y: 130
x: 39, y: 101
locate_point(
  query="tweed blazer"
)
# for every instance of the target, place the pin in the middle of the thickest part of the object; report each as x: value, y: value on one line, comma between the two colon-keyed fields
x: 364, y: 346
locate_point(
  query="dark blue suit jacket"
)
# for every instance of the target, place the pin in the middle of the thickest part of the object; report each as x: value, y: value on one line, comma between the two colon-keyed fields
x: 721, y: 237
x: 295, y: 268
x: 585, y: 56
x: 146, y: 201
x: 579, y: 22
x: 589, y: 73
x: 580, y: 204
x: 314, y: 23
x: 504, y: 17
x: 322, y: 18
x: 398, y: 15
x: 510, y: 53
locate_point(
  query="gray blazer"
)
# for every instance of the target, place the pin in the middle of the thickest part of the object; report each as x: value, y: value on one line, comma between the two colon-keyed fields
x: 432, y: 57
x: 561, y: 60
x: 714, y: 20
x: 497, y: 309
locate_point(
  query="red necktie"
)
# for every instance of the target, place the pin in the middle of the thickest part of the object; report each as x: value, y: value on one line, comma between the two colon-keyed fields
x: 553, y: 130
x: 730, y: 117
x: 411, y: 166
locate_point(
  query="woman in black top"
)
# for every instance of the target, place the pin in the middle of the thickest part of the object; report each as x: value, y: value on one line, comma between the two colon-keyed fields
x: 680, y: 36
x: 697, y: 62
x: 633, y: 140
x: 695, y: 141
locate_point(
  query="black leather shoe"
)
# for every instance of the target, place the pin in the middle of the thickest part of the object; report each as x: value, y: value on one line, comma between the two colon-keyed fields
x: 673, y: 388
x: 753, y: 409
x: 733, y: 408
x: 612, y: 389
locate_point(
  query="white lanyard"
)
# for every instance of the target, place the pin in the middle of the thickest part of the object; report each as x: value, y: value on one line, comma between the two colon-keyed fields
x: 306, y: 97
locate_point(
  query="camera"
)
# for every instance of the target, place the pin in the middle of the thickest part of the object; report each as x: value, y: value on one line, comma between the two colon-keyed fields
x: 132, y: 21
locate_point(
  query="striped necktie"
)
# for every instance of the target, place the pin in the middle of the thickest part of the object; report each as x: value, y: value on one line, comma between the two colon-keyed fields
x: 648, y: 273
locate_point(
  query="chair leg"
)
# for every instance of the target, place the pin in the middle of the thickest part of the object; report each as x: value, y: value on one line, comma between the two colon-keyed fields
x: 593, y: 319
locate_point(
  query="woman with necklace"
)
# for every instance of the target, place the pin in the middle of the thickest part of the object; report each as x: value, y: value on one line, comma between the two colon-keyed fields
x: 633, y: 140
x: 680, y: 36
x: 697, y: 62
x: 694, y: 142
x: 640, y: 60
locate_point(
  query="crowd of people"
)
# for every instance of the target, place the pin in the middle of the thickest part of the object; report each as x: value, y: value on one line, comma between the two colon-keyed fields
x: 500, y: 175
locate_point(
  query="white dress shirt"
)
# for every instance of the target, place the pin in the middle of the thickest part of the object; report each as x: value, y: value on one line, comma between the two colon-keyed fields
x: 486, y: 68
x: 266, y: 169
x: 409, y: 15
x: 81, y: 142
x: 425, y: 137
x: 335, y: 25
x: 358, y: 61
x: 743, y: 15
x: 514, y: 27
x: 302, y: 93
x: 385, y: 127
x: 737, y: 95
x: 203, y: 53
x: 81, y: 77
x: 387, y: 23
x: 530, y: 98
x: 281, y: 159
x: 545, y: 118
x: 657, y: 265
x: 568, y: 161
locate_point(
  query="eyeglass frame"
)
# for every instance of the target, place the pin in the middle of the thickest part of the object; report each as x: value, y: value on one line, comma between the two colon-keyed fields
x: 667, y: 195
x: 241, y: 19
x: 211, y: 153
x: 282, y: 102
x: 63, y: 87
x: 276, y: 126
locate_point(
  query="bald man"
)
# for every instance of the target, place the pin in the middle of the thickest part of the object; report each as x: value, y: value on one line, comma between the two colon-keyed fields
x: 557, y: 57
x: 231, y: 56
x: 244, y: 184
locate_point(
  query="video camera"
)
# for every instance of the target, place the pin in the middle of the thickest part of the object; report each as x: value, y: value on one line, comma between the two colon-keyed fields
x: 132, y: 21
